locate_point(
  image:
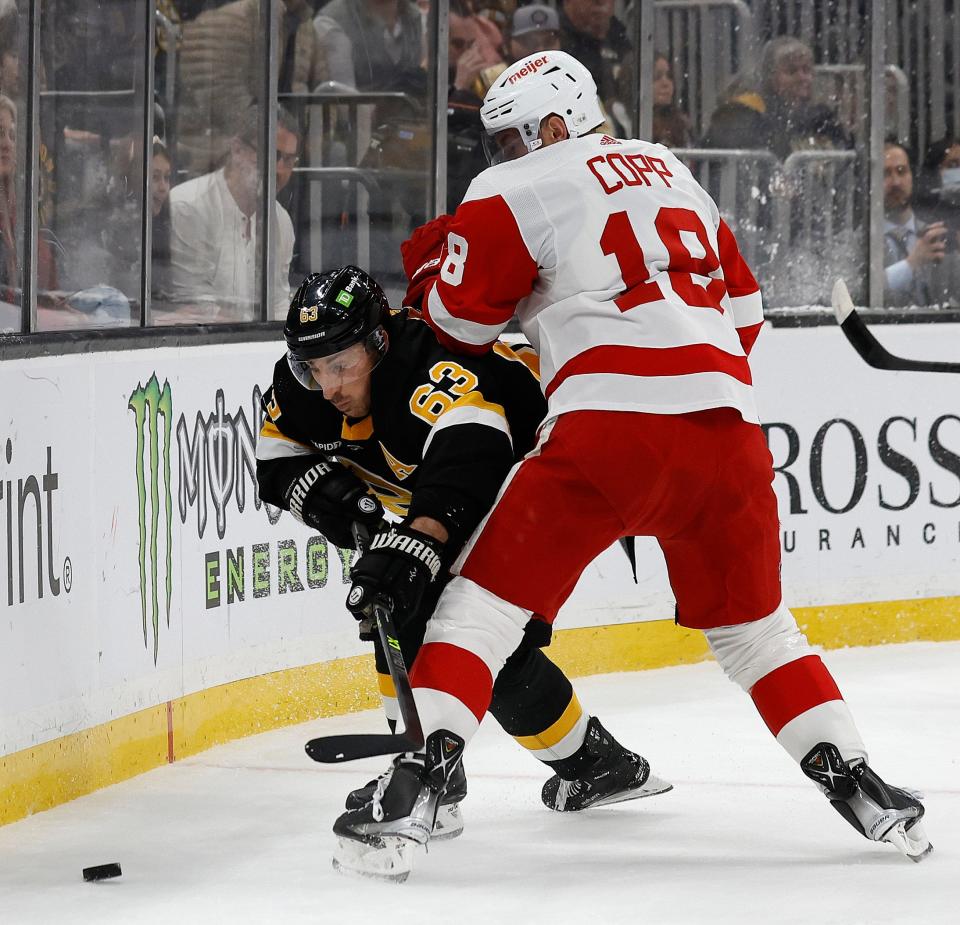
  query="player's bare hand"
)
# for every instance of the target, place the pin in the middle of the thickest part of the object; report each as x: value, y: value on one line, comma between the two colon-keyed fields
x: 931, y: 246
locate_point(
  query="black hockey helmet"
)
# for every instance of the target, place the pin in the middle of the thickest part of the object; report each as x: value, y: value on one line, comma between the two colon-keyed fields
x: 330, y: 313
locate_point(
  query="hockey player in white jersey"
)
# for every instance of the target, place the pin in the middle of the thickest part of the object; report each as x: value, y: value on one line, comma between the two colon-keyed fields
x: 632, y: 289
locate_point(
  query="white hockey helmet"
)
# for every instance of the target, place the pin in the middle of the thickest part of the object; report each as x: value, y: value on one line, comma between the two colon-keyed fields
x: 539, y: 85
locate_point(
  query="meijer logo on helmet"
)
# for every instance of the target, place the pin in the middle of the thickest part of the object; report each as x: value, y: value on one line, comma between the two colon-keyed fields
x: 531, y: 67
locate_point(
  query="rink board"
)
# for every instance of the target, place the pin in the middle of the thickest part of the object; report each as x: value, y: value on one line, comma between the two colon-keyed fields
x: 153, y: 607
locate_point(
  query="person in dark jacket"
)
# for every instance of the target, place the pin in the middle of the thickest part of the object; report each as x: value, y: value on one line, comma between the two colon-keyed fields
x: 774, y: 108
x: 594, y: 36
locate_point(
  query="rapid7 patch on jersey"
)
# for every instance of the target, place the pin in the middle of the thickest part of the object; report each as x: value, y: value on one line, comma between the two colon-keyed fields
x: 449, y: 381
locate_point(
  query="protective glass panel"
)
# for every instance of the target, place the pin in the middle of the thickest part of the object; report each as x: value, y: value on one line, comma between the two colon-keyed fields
x: 206, y: 238
x: 13, y: 201
x: 364, y: 176
x: 920, y: 250
x: 776, y: 117
x: 91, y: 136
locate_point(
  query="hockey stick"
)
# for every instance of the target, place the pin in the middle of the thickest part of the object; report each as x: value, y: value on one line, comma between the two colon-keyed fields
x: 869, y: 348
x: 336, y: 749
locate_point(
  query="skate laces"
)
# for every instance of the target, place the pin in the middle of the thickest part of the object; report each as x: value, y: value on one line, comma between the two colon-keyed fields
x: 383, y: 782
x: 378, y: 792
x: 566, y: 789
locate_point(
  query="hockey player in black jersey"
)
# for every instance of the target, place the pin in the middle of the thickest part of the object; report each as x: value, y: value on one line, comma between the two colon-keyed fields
x: 367, y: 413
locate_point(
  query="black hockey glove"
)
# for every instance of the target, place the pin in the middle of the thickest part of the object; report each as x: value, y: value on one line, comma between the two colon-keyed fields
x: 331, y: 499
x: 395, y: 572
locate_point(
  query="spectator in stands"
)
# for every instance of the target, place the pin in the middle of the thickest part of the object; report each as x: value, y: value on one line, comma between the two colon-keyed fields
x: 772, y: 107
x: 533, y: 28
x: 939, y: 186
x: 919, y: 267
x: 385, y: 39
x: 593, y: 35
x: 213, y: 243
x: 10, y: 265
x: 475, y: 62
x: 220, y: 72
x: 671, y: 125
x: 338, y: 50
x: 473, y: 53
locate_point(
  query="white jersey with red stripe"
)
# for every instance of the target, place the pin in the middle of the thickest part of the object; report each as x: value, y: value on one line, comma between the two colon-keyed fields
x: 620, y: 270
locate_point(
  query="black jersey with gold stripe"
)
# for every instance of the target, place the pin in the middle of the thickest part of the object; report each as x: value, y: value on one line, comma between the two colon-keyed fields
x: 442, y: 433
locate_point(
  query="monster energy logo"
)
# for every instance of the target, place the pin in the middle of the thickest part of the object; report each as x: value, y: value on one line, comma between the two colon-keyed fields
x: 148, y: 404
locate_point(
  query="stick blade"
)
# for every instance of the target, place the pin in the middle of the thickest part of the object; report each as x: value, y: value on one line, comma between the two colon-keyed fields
x: 842, y: 303
x: 338, y: 749
x: 870, y: 349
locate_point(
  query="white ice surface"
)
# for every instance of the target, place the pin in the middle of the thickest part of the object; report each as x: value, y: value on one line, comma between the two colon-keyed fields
x: 241, y: 833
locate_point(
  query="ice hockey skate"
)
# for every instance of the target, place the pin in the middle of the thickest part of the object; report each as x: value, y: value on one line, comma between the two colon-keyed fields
x: 614, y: 775
x: 449, y: 822
x: 875, y: 809
x: 380, y: 839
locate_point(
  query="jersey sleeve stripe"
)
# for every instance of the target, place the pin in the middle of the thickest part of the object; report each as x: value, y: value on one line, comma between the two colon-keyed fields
x: 520, y: 354
x: 272, y: 444
x: 652, y: 361
x: 471, y: 409
x: 464, y: 334
x: 747, y: 309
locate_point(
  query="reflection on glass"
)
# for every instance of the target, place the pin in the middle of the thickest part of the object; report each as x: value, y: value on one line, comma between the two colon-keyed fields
x: 91, y: 123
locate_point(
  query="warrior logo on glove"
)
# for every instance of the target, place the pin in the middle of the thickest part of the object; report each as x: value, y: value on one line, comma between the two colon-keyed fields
x: 420, y: 549
x: 395, y: 571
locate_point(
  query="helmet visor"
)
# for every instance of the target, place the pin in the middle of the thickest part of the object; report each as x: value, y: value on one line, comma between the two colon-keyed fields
x: 507, y: 145
x: 328, y: 373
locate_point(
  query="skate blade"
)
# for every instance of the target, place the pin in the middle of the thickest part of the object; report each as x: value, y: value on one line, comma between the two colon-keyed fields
x: 449, y: 823
x: 912, y: 843
x: 390, y: 861
x: 651, y: 788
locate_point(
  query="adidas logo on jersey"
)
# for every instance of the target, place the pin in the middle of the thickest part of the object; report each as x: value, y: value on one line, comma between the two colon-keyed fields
x: 607, y: 140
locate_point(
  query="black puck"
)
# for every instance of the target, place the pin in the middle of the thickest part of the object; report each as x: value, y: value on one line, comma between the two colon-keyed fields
x: 101, y: 872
